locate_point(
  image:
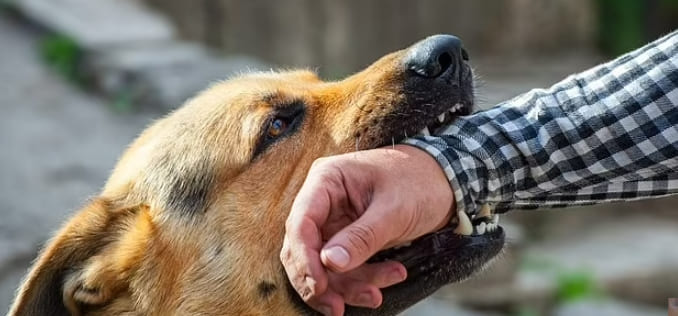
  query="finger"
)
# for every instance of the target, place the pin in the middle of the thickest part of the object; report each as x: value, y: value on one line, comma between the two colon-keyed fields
x: 300, y: 254
x: 322, y: 186
x: 355, y: 243
x: 360, y: 287
x: 356, y: 292
x: 303, y: 266
x: 329, y: 303
x: 381, y: 274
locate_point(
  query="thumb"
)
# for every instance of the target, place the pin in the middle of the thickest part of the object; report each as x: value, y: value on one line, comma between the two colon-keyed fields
x: 357, y: 242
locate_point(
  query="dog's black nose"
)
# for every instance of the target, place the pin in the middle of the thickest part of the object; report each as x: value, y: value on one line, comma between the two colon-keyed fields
x: 434, y: 55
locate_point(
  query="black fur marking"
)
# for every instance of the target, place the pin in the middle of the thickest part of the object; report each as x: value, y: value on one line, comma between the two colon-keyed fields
x: 266, y: 289
x: 189, y: 192
x: 189, y: 184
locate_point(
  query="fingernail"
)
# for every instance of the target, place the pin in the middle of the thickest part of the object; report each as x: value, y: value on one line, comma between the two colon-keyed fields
x: 365, y: 299
x: 325, y: 310
x: 306, y: 291
x: 396, y: 276
x: 338, y: 256
x: 310, y: 283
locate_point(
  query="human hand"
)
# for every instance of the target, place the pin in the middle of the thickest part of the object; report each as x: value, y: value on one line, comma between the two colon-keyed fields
x: 350, y: 207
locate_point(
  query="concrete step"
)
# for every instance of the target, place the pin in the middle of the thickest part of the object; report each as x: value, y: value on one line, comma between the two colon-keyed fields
x: 132, y: 54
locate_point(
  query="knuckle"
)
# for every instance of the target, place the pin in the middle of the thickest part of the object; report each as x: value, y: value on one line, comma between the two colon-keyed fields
x: 330, y: 177
x: 327, y: 167
x: 363, y: 238
x: 324, y: 172
x: 319, y: 163
x: 307, y: 294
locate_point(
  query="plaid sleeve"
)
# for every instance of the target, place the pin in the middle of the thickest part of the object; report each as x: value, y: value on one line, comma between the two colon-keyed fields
x: 607, y: 134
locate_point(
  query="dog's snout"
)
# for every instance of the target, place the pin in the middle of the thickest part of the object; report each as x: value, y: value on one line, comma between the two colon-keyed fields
x: 435, y: 55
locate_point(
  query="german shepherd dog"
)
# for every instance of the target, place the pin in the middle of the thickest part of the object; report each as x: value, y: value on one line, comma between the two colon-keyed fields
x: 191, y: 221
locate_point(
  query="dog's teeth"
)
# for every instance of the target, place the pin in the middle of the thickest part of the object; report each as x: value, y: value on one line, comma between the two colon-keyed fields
x: 424, y: 131
x: 464, y: 227
x: 495, y: 219
x: 441, y: 117
x: 481, y: 228
x: 491, y: 227
x: 456, y: 108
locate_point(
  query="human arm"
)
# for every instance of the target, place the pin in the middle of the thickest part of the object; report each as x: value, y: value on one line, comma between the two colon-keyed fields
x: 607, y: 134
x: 351, y: 206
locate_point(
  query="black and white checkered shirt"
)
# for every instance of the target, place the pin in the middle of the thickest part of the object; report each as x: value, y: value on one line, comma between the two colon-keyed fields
x: 607, y: 134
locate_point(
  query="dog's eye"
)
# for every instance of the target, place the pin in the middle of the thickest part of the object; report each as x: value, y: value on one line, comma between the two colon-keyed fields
x: 283, y: 122
x: 277, y: 127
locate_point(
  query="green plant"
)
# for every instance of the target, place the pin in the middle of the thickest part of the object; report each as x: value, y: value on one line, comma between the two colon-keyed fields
x: 575, y: 285
x: 63, y: 55
x: 571, y: 284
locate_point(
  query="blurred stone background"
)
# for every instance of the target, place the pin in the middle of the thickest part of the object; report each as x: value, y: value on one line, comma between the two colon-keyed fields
x: 81, y: 78
x: 340, y: 37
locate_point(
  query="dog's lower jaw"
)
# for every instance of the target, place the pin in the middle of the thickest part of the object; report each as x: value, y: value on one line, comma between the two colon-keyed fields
x: 432, y: 261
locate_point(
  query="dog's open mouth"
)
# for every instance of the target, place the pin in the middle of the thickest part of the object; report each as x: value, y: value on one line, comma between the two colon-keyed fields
x: 445, y: 118
x: 461, y: 231
x: 423, y: 122
x: 449, y: 255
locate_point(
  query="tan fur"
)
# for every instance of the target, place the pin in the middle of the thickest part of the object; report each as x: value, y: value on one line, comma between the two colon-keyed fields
x: 134, y: 251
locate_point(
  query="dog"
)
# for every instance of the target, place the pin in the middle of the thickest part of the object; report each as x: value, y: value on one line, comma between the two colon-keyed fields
x: 191, y: 220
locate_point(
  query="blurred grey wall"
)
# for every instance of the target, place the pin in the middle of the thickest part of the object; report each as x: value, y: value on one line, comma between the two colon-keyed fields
x: 343, y: 36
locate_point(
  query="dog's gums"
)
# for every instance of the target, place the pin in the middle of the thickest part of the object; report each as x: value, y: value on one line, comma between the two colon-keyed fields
x: 192, y: 218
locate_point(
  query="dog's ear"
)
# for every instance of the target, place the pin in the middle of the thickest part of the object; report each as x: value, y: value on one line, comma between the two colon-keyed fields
x: 87, y: 263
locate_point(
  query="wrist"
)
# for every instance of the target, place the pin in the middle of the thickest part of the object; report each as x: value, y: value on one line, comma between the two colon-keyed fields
x: 438, y: 184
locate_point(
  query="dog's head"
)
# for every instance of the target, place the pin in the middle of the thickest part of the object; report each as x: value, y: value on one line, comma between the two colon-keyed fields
x: 192, y: 219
